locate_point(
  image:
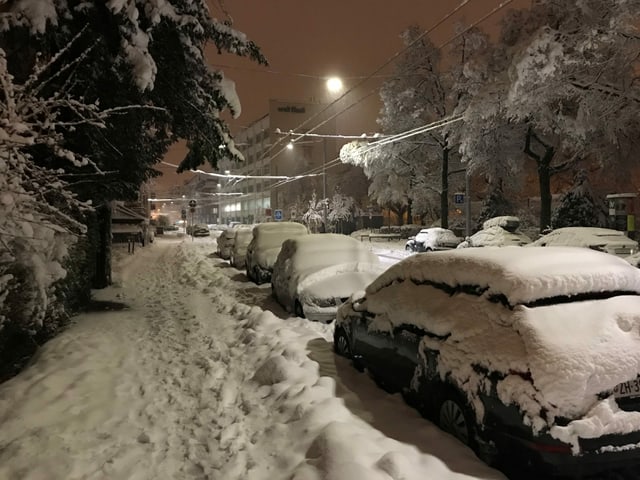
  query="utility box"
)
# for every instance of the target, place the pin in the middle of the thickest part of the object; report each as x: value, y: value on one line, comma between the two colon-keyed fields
x: 622, y: 212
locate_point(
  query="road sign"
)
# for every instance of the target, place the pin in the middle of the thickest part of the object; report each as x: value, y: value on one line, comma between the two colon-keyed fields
x: 458, y: 198
x: 192, y: 203
x: 277, y: 215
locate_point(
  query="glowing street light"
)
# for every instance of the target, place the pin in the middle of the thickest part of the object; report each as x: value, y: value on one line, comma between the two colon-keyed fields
x: 290, y: 146
x: 334, y: 85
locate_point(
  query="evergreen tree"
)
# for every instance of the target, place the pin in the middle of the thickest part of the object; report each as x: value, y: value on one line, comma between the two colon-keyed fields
x: 579, y: 207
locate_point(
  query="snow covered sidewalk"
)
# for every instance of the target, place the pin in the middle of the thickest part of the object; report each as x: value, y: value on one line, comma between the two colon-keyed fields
x: 200, y: 377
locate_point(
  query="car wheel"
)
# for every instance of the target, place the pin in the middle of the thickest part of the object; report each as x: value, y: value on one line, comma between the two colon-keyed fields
x: 408, y: 248
x: 297, y: 309
x: 428, y: 249
x: 341, y: 343
x: 455, y: 417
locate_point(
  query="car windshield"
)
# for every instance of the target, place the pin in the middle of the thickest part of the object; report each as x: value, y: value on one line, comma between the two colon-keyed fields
x: 560, y: 299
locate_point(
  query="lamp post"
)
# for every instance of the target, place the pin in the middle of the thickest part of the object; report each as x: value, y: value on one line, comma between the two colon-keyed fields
x: 334, y: 87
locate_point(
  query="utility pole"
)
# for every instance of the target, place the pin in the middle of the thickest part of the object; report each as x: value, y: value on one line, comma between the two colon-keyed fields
x: 467, y: 202
x: 324, y: 183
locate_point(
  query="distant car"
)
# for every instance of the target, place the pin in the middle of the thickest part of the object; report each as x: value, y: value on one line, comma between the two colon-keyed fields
x: 497, y: 232
x: 602, y: 239
x: 170, y: 228
x: 225, y: 243
x: 265, y: 246
x: 430, y: 239
x: 241, y: 241
x: 199, y: 230
x: 314, y: 274
x: 526, y: 353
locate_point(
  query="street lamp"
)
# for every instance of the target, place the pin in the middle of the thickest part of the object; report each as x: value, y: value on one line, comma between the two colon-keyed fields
x: 334, y: 85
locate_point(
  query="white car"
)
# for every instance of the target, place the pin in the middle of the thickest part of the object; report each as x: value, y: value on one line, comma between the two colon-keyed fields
x: 239, y: 249
x: 265, y: 246
x: 521, y: 353
x: 314, y: 274
x: 602, y: 239
x: 435, y: 238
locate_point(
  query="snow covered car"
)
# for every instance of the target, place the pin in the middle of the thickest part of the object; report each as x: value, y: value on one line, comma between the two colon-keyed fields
x: 528, y: 353
x: 200, y: 230
x: 429, y: 239
x: 265, y: 246
x: 314, y: 274
x: 225, y: 242
x: 497, y: 232
x: 602, y: 239
x: 241, y: 241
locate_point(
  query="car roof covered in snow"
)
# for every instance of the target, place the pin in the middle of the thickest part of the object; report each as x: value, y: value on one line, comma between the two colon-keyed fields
x: 522, y: 275
x: 316, y: 251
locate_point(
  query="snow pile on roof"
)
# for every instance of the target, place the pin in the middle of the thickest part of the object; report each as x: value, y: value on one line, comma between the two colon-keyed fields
x: 269, y: 237
x: 507, y: 222
x: 495, y: 237
x: 583, y: 237
x: 520, y: 274
x: 310, y: 253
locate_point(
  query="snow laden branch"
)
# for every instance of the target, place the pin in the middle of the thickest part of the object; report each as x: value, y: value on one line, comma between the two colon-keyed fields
x: 40, y: 218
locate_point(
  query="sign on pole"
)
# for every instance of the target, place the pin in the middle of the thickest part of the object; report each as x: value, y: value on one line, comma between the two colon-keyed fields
x: 277, y: 215
x: 458, y: 198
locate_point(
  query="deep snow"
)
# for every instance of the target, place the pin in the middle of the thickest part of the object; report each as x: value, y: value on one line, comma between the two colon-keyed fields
x: 202, y: 375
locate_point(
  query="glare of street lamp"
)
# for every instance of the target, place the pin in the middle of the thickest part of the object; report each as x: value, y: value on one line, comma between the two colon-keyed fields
x: 334, y: 85
x: 290, y: 146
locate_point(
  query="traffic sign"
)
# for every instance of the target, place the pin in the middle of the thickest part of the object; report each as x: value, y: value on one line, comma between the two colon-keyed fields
x: 192, y: 203
x: 277, y: 215
x: 458, y: 198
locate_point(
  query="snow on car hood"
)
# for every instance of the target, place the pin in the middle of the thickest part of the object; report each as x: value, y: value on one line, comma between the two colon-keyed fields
x: 579, y: 350
x: 338, y: 280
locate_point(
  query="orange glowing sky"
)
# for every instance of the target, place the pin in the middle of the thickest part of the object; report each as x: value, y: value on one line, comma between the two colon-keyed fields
x: 306, y: 41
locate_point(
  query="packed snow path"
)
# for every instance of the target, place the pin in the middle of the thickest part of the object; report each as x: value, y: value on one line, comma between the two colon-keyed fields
x: 203, y: 376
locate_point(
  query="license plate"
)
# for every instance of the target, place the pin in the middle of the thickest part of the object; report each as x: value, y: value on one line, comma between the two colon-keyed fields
x: 627, y: 389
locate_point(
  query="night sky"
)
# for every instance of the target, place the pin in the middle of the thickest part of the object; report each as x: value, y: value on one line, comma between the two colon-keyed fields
x: 307, y: 41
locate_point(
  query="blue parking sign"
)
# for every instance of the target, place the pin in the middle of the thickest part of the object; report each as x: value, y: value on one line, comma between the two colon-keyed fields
x: 458, y: 198
x: 277, y: 215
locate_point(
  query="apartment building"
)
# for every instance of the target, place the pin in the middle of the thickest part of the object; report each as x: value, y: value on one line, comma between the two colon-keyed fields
x: 264, y: 145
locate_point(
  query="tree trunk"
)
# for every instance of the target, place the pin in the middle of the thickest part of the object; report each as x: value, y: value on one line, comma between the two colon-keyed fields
x: 544, y: 180
x: 102, y: 276
x: 543, y: 163
x: 444, y: 196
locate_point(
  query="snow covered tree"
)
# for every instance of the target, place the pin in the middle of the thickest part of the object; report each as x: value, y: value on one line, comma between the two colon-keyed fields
x: 140, y: 52
x: 415, y: 172
x: 562, y: 78
x: 313, y: 218
x: 579, y: 207
x: 39, y: 216
x: 340, y: 210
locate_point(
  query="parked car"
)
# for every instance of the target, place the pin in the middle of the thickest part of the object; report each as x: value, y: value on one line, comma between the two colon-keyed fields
x: 200, y: 230
x: 602, y: 239
x: 243, y: 237
x: 497, y: 232
x: 435, y: 238
x: 314, y: 274
x: 527, y: 353
x: 265, y: 246
x: 225, y: 242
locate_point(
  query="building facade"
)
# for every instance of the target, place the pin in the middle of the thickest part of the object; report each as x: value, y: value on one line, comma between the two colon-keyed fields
x: 311, y: 164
